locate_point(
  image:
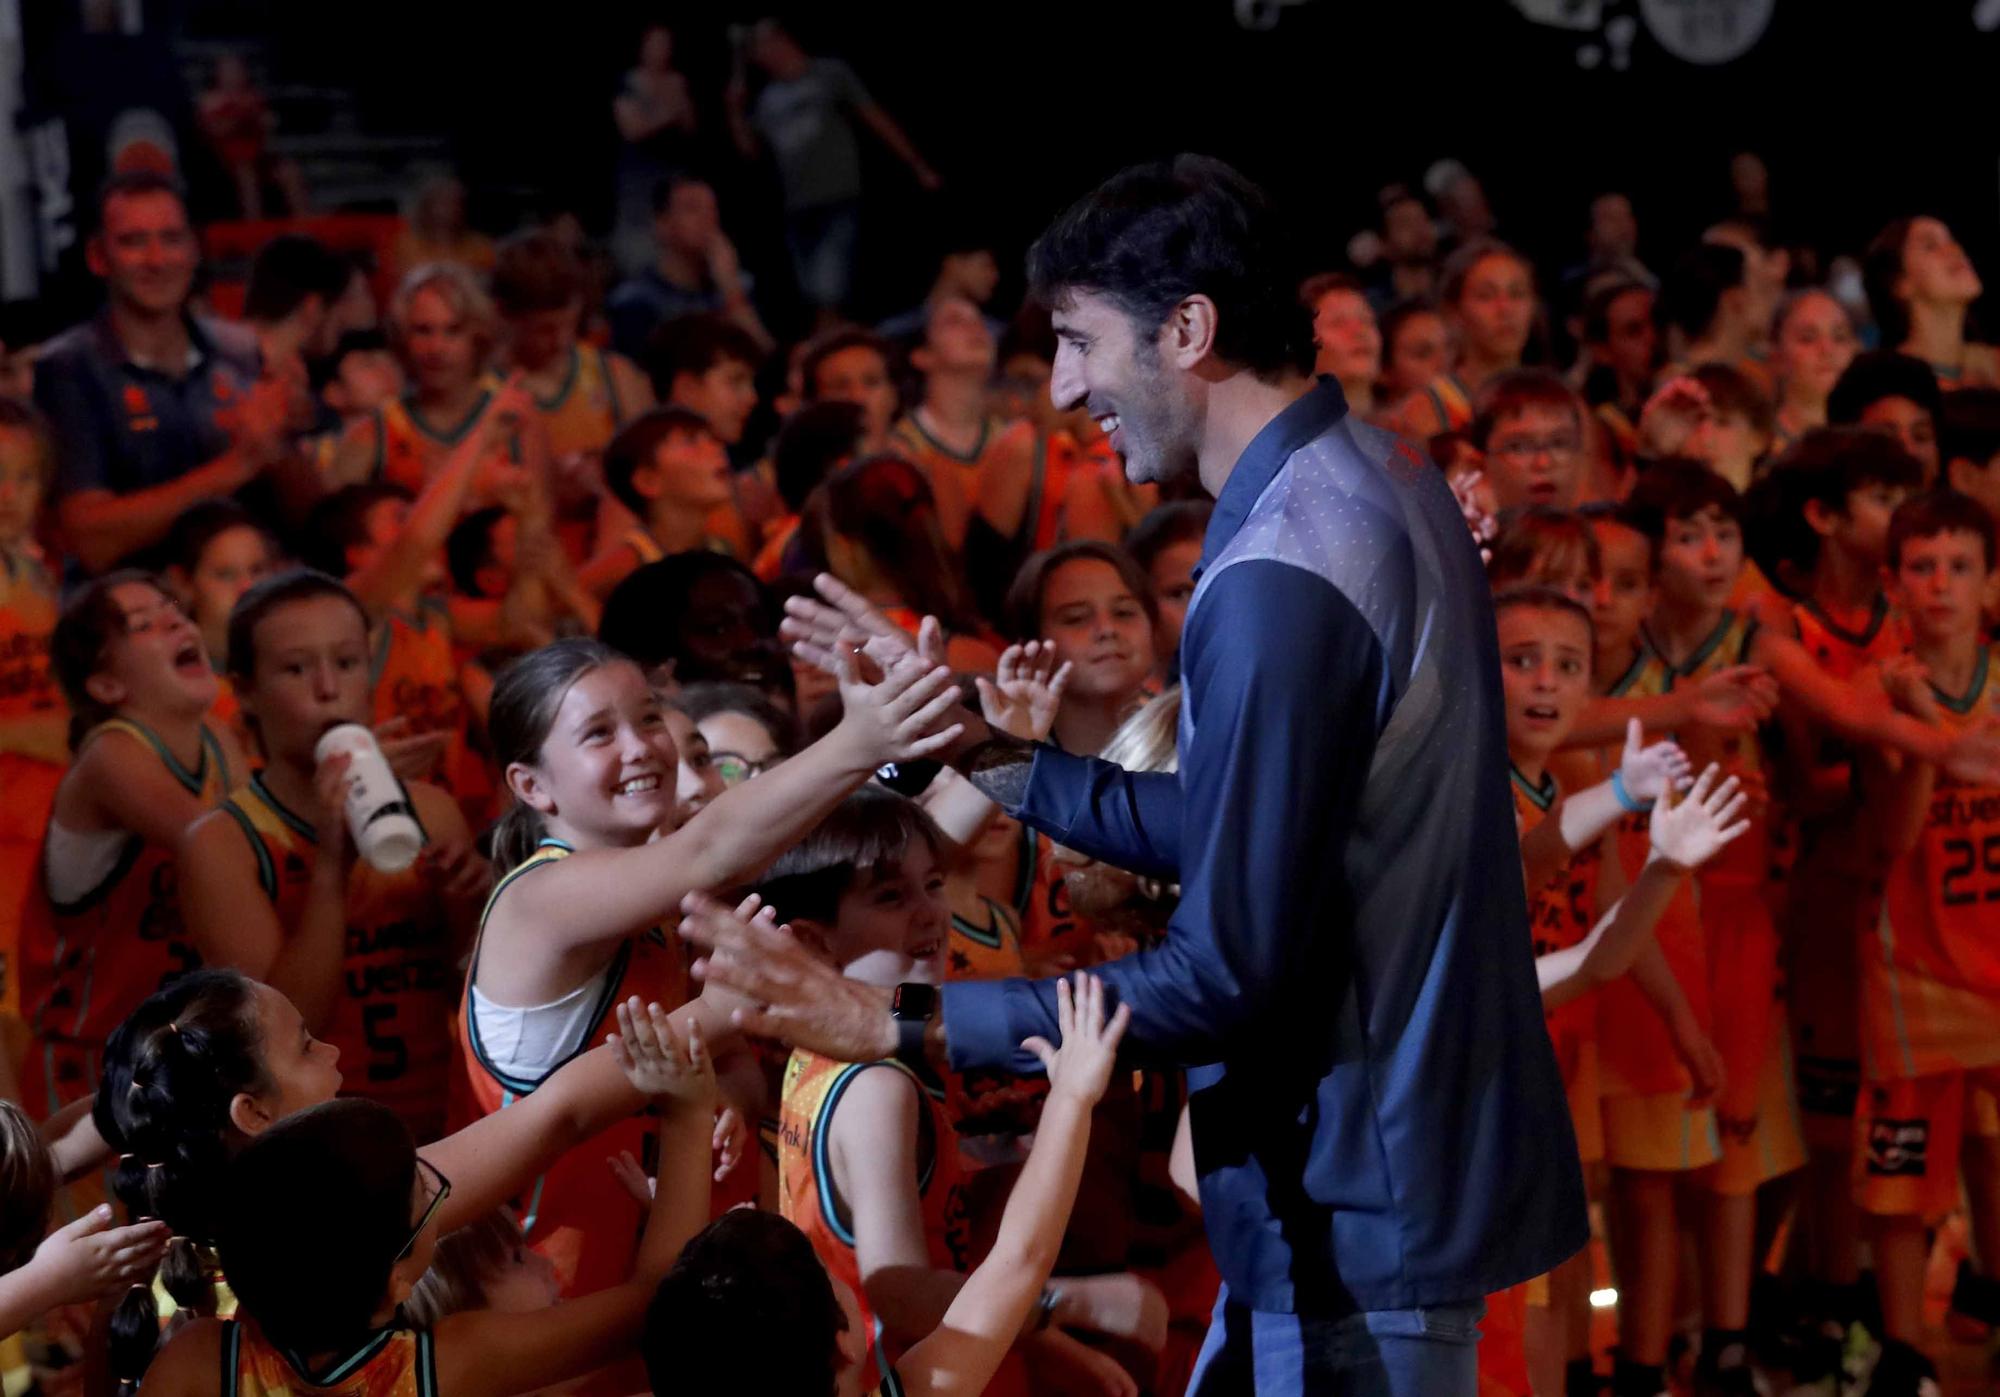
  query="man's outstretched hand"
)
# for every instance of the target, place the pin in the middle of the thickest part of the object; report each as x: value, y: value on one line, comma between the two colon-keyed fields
x: 813, y: 626
x: 794, y: 995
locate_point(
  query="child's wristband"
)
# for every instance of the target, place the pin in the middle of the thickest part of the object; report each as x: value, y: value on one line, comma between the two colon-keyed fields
x: 1636, y: 807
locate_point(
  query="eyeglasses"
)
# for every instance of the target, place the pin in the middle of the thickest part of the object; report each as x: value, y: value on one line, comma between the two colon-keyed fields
x: 430, y: 1209
x: 1522, y: 450
x: 735, y: 768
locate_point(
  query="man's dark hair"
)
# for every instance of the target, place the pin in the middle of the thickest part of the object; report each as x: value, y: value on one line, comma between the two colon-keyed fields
x: 1969, y: 426
x: 1153, y: 235
x: 694, y: 344
x: 1940, y: 512
x: 288, y: 269
x: 637, y: 442
x: 747, y: 1283
x: 1879, y: 374
x: 811, y: 445
x: 1695, y: 284
x: 130, y: 184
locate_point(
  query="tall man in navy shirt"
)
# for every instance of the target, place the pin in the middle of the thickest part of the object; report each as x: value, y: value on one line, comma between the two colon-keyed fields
x: 1378, y: 1121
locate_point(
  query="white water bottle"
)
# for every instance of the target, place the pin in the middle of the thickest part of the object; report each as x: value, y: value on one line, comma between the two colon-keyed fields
x: 379, y: 817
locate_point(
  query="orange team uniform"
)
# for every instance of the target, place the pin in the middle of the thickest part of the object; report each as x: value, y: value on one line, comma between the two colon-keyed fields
x: 806, y: 1196
x: 388, y: 1363
x: 580, y: 418
x: 575, y: 1214
x: 1757, y: 1113
x: 1836, y: 887
x: 1647, y: 1121
x: 1560, y: 914
x: 1442, y: 405
x: 409, y: 450
x: 1930, y: 990
x: 985, y: 944
x: 415, y: 675
x: 86, y: 965
x: 954, y: 478
x: 28, y: 609
x: 392, y: 1021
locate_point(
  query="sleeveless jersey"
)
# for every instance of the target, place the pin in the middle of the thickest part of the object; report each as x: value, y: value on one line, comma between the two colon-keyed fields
x: 409, y: 450
x: 1041, y: 900
x: 1634, y: 1050
x: 954, y: 477
x: 388, y: 1363
x: 1931, y: 978
x: 806, y: 1195
x: 392, y: 1021
x: 88, y: 964
x: 575, y: 1214
x: 28, y: 609
x: 584, y: 414
x: 986, y: 945
x: 415, y: 675
x: 1560, y: 914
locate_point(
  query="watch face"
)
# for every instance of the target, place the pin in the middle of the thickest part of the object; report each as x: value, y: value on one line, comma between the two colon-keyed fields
x: 914, y: 1001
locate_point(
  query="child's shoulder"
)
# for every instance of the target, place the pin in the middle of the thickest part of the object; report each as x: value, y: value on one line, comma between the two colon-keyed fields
x: 191, y: 1361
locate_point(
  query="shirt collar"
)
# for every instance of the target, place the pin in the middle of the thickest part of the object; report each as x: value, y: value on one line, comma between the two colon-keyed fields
x: 201, y: 346
x: 1319, y: 408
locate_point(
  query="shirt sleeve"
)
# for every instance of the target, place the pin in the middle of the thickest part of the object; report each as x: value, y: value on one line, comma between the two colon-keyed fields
x: 1127, y: 818
x: 1286, y: 680
x: 63, y: 394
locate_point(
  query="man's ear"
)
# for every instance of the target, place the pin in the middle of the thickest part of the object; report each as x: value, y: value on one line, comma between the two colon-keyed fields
x: 1188, y: 337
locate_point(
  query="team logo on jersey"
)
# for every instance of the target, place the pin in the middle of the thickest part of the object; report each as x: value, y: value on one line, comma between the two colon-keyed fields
x: 139, y: 409
x: 1898, y: 1148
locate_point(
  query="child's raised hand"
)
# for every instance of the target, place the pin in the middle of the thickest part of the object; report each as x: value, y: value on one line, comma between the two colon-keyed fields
x: 1908, y: 685
x: 1689, y: 832
x: 900, y: 717
x: 1081, y: 1067
x: 412, y: 755
x: 1648, y: 773
x: 659, y: 1062
x: 632, y: 1178
x: 1023, y: 697
x: 90, y: 1258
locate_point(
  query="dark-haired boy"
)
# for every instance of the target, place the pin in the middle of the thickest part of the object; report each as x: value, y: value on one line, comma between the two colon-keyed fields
x: 1969, y: 444
x: 1930, y: 1001
x: 1892, y: 393
x: 669, y: 469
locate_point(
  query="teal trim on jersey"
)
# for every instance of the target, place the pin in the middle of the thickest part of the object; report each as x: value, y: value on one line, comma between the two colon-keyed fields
x: 1543, y: 795
x: 1964, y: 703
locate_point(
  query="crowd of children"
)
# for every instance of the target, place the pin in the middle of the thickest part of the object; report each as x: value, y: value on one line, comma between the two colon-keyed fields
x: 280, y: 1115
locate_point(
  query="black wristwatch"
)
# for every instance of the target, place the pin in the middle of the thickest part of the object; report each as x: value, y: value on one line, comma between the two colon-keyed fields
x: 913, y: 1006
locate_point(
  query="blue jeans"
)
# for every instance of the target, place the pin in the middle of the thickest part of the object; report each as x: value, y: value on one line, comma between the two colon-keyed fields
x: 822, y: 241
x: 1379, y: 1353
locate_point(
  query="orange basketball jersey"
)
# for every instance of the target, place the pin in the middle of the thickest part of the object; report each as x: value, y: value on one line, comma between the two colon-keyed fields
x: 1931, y: 975
x: 807, y: 1196
x: 87, y: 964
x: 388, y: 1363
x: 392, y: 1021
x: 575, y: 1214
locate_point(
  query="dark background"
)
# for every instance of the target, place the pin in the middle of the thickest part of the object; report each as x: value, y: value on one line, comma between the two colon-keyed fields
x: 1863, y: 110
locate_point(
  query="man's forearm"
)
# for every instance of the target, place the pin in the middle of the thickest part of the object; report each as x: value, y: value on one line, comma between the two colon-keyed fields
x: 103, y: 527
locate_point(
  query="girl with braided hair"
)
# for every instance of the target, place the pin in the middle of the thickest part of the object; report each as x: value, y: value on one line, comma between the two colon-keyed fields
x: 215, y: 1060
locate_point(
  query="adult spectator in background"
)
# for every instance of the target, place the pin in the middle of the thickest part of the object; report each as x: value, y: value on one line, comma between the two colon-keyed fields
x: 153, y: 408
x: 654, y: 112
x: 1408, y: 254
x: 1349, y: 343
x: 238, y: 124
x: 804, y: 114
x: 695, y: 271
x: 1920, y: 286
x: 435, y: 230
x: 968, y: 271
x: 295, y: 283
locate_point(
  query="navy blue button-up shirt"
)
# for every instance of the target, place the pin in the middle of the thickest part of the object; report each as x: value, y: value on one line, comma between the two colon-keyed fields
x: 1378, y: 1119
x: 125, y: 427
